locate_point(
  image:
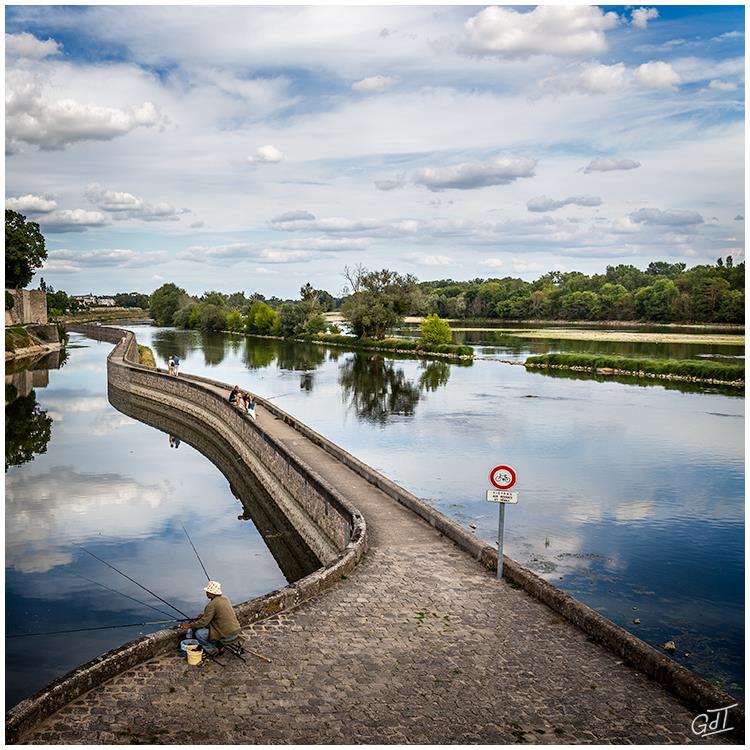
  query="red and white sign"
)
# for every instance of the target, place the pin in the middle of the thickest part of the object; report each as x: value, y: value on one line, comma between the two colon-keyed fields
x: 503, y: 477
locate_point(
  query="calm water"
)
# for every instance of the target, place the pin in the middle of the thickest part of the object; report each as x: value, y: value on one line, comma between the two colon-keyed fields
x: 631, y: 496
x: 121, y: 490
x: 518, y: 346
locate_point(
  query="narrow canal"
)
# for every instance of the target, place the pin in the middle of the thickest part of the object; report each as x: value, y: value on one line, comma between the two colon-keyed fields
x: 631, y: 495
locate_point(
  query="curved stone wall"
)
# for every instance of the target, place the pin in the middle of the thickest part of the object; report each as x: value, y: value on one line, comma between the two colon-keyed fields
x: 334, y: 530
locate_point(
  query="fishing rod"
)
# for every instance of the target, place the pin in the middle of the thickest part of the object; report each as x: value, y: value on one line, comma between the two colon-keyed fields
x: 127, y: 596
x: 85, y: 630
x: 208, y: 577
x: 134, y: 581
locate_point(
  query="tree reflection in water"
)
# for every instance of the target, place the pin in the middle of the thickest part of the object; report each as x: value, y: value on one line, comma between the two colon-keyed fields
x: 214, y: 347
x: 28, y: 428
x: 377, y: 389
x: 175, y: 341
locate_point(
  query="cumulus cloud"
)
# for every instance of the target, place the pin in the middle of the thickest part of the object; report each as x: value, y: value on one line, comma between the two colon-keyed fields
x: 31, y: 204
x: 543, y: 203
x: 266, y: 155
x: 293, y: 216
x: 597, y: 78
x: 32, y: 117
x: 397, y: 182
x: 500, y: 171
x: 101, y: 258
x: 657, y: 217
x: 610, y: 165
x: 424, y: 259
x: 641, y: 16
x: 492, y: 263
x: 25, y: 45
x: 71, y: 220
x: 546, y: 30
x: 718, y: 85
x: 739, y: 217
x: 657, y: 75
x: 374, y: 84
x: 130, y: 206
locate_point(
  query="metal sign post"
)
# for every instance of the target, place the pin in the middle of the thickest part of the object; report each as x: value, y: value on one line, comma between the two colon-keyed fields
x: 502, y: 477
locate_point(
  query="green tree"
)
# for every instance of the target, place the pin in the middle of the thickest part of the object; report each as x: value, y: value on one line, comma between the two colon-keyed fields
x: 662, y: 268
x: 378, y: 302
x: 292, y: 318
x: 183, y: 315
x: 28, y: 429
x: 435, y: 330
x: 164, y: 302
x: 580, y: 306
x: 235, y: 321
x: 262, y: 319
x: 211, y: 317
x: 24, y: 249
x: 132, y: 299
x: 655, y: 302
x: 58, y: 301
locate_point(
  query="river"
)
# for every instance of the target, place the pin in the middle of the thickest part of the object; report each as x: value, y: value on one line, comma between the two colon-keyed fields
x: 631, y: 495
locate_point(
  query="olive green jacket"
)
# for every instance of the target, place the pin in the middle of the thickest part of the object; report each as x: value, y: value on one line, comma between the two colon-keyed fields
x: 219, y: 618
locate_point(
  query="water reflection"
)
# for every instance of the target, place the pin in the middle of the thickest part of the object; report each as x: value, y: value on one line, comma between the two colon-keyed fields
x: 28, y: 428
x: 376, y: 388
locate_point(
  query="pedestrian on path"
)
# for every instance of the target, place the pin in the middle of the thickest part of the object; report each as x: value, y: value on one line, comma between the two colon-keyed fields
x: 218, y: 625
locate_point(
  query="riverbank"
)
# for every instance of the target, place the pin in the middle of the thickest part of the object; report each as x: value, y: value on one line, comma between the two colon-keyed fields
x: 433, y: 628
x: 20, y: 343
x: 130, y: 315
x: 690, y: 371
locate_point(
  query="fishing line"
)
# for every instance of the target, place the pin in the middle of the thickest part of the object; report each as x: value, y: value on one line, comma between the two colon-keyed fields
x: 85, y: 630
x: 208, y: 577
x: 134, y: 581
x: 127, y: 596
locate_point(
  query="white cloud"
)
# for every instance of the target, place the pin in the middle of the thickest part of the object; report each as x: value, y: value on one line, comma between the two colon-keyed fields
x: 34, y: 118
x: 424, y: 259
x: 543, y: 203
x: 27, y: 46
x: 102, y: 258
x: 71, y: 220
x: 492, y: 263
x: 657, y: 75
x: 545, y: 30
x: 196, y: 224
x: 129, y: 205
x: 502, y: 170
x: 293, y: 216
x: 598, y: 79
x: 641, y: 16
x: 374, y: 84
x: 717, y: 85
x: 397, y: 182
x: 609, y: 165
x: 655, y: 216
x: 266, y: 155
x: 31, y: 204
x: 728, y: 35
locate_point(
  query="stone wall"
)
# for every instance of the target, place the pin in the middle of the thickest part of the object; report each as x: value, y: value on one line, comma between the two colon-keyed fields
x: 29, y: 306
x: 333, y: 529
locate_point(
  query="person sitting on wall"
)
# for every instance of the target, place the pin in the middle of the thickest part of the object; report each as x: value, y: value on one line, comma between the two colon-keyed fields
x: 170, y: 365
x: 234, y: 393
x: 218, y: 626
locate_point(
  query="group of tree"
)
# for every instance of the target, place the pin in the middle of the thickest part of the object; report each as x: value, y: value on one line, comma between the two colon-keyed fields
x: 25, y: 249
x: 216, y: 311
x: 664, y: 292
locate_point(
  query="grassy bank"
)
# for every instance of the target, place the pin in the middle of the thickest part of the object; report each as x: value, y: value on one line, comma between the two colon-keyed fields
x: 17, y: 337
x: 146, y: 356
x: 689, y: 369
x: 391, y: 344
x: 105, y: 315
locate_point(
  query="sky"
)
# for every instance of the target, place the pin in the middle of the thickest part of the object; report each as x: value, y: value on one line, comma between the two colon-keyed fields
x: 257, y: 148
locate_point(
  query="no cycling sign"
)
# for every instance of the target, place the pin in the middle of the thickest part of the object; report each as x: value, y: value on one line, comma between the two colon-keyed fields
x: 502, y: 477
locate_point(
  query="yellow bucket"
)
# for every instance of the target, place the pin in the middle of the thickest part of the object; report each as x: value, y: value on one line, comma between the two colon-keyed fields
x: 194, y: 655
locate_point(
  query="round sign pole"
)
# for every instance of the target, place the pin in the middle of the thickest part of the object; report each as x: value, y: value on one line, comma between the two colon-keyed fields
x: 503, y: 477
x: 500, y: 532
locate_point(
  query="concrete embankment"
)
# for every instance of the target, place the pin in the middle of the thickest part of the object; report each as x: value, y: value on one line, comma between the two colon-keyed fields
x: 417, y: 644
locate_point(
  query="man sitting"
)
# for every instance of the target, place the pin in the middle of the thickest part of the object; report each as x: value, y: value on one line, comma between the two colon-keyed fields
x: 218, y: 625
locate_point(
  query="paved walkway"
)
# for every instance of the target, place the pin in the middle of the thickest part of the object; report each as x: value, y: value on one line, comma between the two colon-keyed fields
x: 419, y: 645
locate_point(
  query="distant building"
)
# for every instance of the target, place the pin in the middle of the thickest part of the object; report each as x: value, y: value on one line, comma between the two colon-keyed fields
x: 92, y: 300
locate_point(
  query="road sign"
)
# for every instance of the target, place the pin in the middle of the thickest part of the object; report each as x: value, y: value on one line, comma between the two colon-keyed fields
x: 501, y: 496
x: 503, y: 477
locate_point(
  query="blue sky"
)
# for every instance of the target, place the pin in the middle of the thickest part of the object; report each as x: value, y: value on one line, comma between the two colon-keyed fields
x: 257, y: 148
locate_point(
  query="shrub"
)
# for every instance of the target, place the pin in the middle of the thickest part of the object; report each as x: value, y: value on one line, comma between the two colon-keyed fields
x: 435, y: 330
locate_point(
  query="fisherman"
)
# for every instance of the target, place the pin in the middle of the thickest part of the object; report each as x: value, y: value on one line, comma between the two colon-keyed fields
x: 218, y: 625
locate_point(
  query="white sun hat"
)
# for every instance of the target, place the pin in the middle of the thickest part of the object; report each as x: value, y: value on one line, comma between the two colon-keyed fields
x: 213, y: 587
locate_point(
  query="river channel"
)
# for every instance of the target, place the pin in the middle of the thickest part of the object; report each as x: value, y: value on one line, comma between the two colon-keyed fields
x: 631, y: 495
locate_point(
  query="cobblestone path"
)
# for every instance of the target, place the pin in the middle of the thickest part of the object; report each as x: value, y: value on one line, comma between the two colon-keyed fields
x: 419, y: 645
